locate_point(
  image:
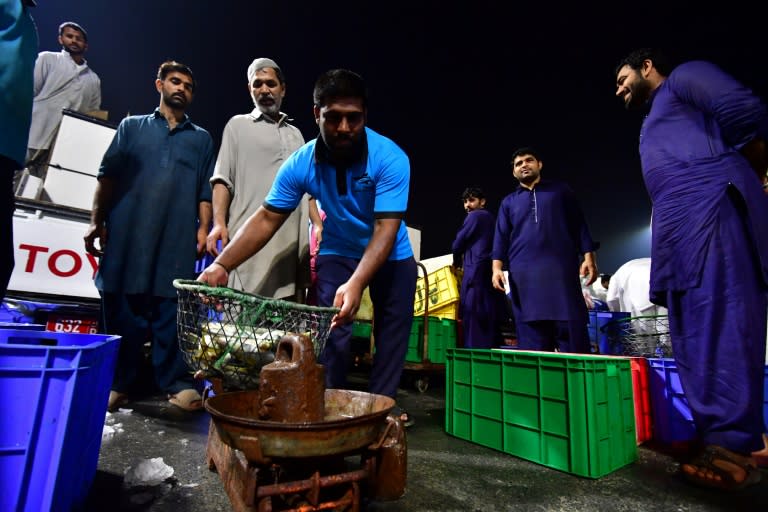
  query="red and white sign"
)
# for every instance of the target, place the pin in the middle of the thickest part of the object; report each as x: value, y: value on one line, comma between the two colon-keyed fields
x: 50, y: 256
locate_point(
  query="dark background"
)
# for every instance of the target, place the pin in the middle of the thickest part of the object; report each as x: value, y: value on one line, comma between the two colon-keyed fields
x: 458, y: 85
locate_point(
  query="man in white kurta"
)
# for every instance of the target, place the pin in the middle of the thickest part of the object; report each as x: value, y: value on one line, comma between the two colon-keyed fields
x: 253, y: 147
x: 63, y: 80
x: 628, y: 289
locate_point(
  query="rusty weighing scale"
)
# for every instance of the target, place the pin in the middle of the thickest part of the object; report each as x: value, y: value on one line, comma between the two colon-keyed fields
x: 278, y: 439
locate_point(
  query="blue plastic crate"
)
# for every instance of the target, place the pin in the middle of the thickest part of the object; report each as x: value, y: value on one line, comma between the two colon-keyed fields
x: 55, y: 390
x: 765, y: 398
x: 672, y: 419
x: 22, y: 327
x: 606, y: 329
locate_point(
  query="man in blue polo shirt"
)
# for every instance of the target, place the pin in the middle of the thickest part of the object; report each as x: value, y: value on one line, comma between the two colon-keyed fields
x: 361, y: 178
x: 153, y: 201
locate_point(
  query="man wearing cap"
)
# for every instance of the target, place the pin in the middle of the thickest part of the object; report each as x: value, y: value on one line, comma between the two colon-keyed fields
x: 253, y: 147
x: 63, y: 80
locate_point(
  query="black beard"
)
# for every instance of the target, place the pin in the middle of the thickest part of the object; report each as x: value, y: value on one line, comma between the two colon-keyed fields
x: 346, y: 156
x: 174, y: 102
x: 639, y: 94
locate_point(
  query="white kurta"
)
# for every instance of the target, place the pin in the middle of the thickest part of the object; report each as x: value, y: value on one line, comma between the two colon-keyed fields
x: 60, y: 83
x: 628, y: 289
x: 253, y: 147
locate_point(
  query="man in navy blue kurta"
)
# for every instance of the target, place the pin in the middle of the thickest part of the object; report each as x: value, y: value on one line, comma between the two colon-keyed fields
x: 480, y: 306
x: 154, y: 201
x: 541, y: 236
x: 702, y: 149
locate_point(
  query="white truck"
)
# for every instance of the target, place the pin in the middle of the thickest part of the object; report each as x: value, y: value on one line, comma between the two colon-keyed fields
x: 52, y: 281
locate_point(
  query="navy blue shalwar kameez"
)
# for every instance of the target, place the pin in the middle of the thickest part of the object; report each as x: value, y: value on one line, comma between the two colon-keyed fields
x: 541, y: 234
x: 160, y: 177
x: 481, y: 306
x: 710, y: 246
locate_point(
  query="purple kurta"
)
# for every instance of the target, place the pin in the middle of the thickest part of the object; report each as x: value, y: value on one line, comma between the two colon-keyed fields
x: 699, y: 119
x: 541, y: 235
x: 710, y: 245
x: 480, y: 305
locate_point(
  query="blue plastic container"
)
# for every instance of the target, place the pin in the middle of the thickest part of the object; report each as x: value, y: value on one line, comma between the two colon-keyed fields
x: 672, y: 419
x: 606, y: 329
x: 765, y: 398
x: 55, y: 389
x: 22, y: 327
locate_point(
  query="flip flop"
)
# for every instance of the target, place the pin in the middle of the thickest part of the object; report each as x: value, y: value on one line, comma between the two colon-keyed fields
x: 707, y: 460
x: 761, y: 456
x: 116, y: 400
x: 187, y: 399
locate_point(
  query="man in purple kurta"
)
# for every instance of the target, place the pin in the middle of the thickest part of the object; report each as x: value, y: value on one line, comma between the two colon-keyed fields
x: 541, y: 236
x: 702, y: 149
x: 480, y: 305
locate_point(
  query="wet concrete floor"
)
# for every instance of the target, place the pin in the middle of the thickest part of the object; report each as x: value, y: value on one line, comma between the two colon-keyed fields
x: 444, y: 473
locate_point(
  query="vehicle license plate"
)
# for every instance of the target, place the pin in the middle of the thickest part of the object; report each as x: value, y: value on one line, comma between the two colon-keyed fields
x: 72, y: 324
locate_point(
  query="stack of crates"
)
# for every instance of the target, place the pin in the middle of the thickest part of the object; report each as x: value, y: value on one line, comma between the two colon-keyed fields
x: 55, y: 391
x: 441, y: 337
x: 441, y: 300
x: 570, y: 412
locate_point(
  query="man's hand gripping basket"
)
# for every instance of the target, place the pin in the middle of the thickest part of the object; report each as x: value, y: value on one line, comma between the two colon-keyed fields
x: 231, y: 335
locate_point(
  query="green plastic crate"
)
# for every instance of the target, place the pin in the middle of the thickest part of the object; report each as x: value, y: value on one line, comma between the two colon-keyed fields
x: 361, y: 329
x: 413, y: 355
x: 574, y: 413
x: 442, y: 336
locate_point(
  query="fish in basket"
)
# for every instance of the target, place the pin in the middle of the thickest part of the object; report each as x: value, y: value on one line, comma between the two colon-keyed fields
x: 229, y: 334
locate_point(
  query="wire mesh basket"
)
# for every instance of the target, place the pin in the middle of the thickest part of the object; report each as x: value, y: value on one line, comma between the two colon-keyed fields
x: 646, y: 336
x: 230, y: 335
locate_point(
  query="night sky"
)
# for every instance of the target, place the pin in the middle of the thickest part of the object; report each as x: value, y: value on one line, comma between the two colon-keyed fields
x: 458, y: 85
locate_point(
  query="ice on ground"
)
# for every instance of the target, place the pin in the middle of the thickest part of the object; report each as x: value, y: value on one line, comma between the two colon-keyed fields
x: 107, y: 432
x: 147, y: 472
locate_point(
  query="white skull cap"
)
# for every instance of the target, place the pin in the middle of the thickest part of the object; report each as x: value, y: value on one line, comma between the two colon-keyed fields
x: 261, y: 63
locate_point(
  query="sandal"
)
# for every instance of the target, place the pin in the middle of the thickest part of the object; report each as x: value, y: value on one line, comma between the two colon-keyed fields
x: 187, y: 399
x: 718, y: 468
x: 116, y: 400
x: 405, y: 418
x: 761, y: 456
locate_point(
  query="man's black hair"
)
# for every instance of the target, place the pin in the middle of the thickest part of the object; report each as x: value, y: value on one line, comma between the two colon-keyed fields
x: 662, y: 61
x: 525, y: 151
x: 339, y: 83
x: 470, y: 192
x: 170, y: 66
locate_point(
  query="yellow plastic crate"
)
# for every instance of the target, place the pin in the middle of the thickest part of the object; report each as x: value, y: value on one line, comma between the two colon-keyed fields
x: 443, y: 292
x: 450, y: 311
x: 365, y: 312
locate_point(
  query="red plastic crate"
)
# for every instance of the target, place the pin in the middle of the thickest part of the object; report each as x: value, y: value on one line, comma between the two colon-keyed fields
x: 642, y: 397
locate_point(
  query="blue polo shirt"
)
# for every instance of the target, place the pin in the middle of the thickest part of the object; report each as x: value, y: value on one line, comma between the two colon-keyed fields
x: 374, y: 187
x: 160, y: 177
